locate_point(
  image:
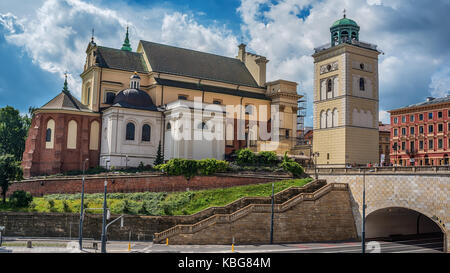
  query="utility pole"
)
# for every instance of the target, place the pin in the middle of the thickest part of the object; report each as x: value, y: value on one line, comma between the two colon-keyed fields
x: 363, y: 232
x: 80, y: 233
x: 103, y: 238
x: 271, y: 220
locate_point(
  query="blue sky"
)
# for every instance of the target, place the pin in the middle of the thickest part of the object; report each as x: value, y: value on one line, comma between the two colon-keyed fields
x: 41, y: 39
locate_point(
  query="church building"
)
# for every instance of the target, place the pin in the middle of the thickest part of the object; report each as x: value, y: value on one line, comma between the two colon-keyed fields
x: 132, y: 102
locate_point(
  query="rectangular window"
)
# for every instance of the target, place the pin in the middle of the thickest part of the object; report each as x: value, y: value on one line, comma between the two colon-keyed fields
x: 420, y: 129
x: 440, y: 128
x: 411, y: 118
x: 396, y: 120
x: 411, y: 130
x: 182, y: 97
x: 403, y: 145
x: 420, y: 116
x: 404, y: 119
x: 421, y: 145
x: 430, y: 116
x: 430, y: 144
x: 395, y: 132
x: 448, y: 113
x: 411, y: 146
x: 440, y: 144
x: 403, y: 131
x: 217, y: 101
x: 430, y: 128
x: 439, y: 114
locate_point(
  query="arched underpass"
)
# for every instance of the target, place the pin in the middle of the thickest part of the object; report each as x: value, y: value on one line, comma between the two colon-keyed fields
x: 405, y: 227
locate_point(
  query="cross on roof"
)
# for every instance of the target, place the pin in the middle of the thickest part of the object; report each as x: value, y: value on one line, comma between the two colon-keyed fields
x: 344, y: 13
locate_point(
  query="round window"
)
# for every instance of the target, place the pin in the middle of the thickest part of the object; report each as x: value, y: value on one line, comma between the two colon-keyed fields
x: 362, y: 66
x: 328, y: 67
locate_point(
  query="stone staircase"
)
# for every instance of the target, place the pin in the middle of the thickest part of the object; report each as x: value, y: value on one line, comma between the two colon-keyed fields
x: 243, y: 207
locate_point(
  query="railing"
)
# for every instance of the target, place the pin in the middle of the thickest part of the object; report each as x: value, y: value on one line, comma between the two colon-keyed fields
x: 229, y: 218
x: 351, y: 42
x: 382, y: 170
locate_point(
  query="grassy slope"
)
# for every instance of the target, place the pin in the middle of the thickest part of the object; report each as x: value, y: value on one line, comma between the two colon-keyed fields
x: 178, y: 203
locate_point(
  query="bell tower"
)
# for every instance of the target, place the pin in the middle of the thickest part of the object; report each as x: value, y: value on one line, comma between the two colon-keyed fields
x: 346, y: 98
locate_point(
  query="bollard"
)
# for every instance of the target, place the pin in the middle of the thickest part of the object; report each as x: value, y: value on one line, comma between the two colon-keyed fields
x: 29, y: 244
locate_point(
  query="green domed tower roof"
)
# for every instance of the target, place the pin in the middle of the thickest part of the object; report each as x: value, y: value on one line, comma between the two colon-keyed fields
x: 344, y: 22
x: 344, y: 31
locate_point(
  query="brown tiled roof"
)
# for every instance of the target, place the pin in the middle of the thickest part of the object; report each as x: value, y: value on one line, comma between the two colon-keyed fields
x: 65, y: 101
x: 384, y: 127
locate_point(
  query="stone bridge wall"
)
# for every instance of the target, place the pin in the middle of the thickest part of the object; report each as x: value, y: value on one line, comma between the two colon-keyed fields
x: 425, y: 190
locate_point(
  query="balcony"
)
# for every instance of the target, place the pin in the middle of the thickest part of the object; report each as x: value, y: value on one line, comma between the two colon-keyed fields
x: 350, y: 42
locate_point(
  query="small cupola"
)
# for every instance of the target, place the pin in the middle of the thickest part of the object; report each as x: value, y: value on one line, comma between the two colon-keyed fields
x: 344, y: 30
x: 135, y: 81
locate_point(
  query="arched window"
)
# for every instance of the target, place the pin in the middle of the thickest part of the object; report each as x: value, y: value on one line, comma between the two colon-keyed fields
x: 72, y: 135
x: 362, y: 84
x: 335, y: 118
x: 146, y: 132
x: 94, y: 136
x: 329, y: 119
x: 344, y: 36
x: 49, y: 134
x: 329, y: 85
x: 323, y: 120
x: 130, y: 131
x: 169, y: 126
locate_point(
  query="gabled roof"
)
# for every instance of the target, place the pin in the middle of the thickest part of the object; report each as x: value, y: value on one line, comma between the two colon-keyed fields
x: 121, y: 59
x: 201, y: 65
x: 65, y: 101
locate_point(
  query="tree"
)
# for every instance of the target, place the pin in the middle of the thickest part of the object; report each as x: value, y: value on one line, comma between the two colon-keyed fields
x: 159, y: 156
x: 13, y: 132
x: 10, y: 170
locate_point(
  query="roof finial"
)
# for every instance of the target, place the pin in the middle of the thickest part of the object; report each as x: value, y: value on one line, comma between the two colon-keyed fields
x: 344, y: 13
x: 66, y: 88
x: 92, y: 38
x: 126, y: 45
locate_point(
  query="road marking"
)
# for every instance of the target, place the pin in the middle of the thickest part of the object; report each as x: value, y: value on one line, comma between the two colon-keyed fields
x: 417, y: 250
x: 382, y: 249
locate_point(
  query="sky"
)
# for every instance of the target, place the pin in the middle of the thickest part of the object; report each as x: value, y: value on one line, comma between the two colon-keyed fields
x: 42, y: 39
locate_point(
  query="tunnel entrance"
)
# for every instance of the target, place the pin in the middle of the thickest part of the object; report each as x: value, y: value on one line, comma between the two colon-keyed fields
x: 397, y: 224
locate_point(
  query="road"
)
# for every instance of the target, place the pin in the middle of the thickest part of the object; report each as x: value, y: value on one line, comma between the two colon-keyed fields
x: 412, y: 245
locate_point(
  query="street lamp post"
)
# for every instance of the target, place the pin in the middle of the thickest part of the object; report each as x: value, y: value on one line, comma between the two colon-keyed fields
x: 363, y: 231
x: 271, y: 219
x: 80, y: 233
x: 103, y: 238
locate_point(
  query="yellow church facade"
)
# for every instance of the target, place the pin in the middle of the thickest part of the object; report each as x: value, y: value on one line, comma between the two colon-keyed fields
x: 346, y: 99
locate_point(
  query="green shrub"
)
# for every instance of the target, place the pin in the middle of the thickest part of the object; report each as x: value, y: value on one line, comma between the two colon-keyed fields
x: 66, y: 207
x: 267, y: 158
x: 293, y: 167
x: 245, y: 156
x: 180, y: 166
x: 20, y: 199
x: 211, y: 166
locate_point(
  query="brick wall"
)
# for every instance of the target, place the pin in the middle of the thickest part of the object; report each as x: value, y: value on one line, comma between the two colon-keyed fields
x: 137, y: 183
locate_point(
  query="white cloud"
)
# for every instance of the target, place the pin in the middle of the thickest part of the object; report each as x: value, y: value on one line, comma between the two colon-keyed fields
x: 384, y: 117
x: 182, y: 30
x: 57, y: 36
x: 440, y: 83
